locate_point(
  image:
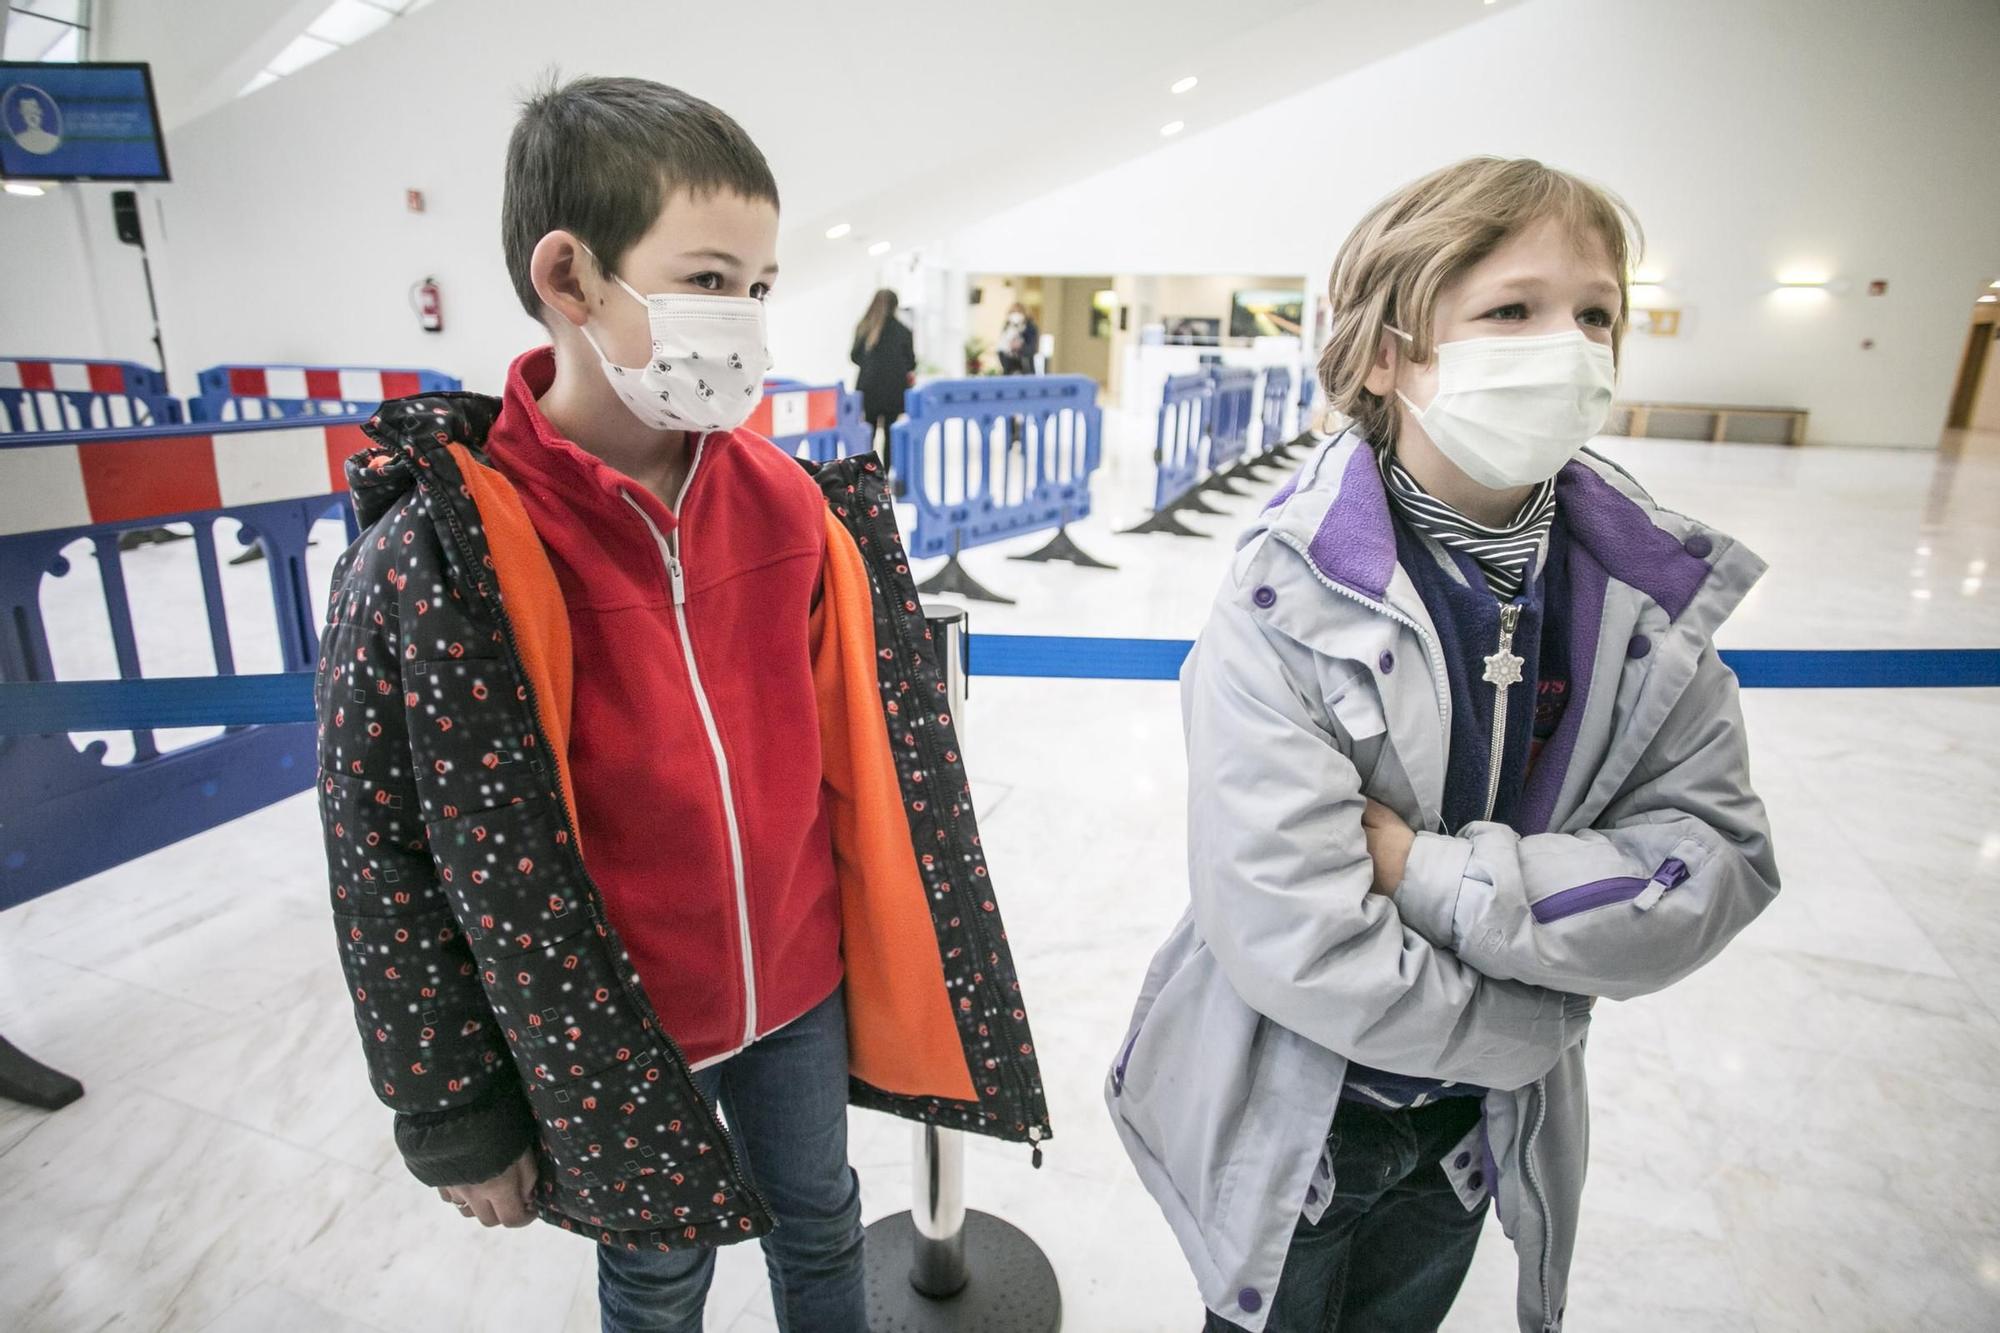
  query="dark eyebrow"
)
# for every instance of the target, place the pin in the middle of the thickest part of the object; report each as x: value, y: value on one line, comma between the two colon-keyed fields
x: 724, y: 257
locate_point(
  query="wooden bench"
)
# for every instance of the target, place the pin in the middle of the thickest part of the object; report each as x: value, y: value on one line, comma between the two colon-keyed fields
x: 1636, y: 419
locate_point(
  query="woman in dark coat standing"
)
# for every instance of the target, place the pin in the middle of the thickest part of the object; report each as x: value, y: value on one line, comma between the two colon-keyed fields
x: 887, y: 356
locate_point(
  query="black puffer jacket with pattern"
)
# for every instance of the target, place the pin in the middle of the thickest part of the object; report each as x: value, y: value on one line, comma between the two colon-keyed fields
x: 497, y: 1009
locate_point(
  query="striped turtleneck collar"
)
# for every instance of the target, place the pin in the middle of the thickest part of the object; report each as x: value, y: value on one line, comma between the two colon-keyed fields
x: 1507, y: 556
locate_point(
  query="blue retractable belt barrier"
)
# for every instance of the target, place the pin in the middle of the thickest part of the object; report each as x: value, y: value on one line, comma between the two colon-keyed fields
x: 50, y: 707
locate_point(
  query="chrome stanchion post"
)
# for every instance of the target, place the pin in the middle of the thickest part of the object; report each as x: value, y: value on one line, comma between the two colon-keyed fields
x: 941, y: 1267
x: 937, y: 1260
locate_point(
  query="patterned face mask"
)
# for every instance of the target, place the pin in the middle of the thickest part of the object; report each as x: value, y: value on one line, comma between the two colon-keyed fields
x: 707, y: 368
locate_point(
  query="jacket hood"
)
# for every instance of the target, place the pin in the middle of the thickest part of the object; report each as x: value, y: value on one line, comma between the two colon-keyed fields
x: 409, y: 433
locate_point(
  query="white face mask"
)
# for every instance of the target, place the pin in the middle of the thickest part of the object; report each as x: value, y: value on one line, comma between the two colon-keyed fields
x: 1512, y: 411
x: 707, y: 368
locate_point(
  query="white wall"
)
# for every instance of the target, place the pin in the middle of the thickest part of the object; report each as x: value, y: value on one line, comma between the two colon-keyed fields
x: 1752, y: 137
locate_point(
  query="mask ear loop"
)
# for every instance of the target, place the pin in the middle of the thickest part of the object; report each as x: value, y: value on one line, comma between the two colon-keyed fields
x: 1415, y: 411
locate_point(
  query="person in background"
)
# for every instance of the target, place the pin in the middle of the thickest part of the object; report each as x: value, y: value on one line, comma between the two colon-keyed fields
x: 1020, y: 341
x: 1461, y: 757
x: 886, y: 354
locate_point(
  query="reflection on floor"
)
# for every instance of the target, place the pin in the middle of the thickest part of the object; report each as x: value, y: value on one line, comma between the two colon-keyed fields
x: 1800, y: 1138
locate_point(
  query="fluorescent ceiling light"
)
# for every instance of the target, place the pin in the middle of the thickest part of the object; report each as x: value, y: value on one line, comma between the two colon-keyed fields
x: 1182, y: 85
x: 27, y: 189
x: 1171, y: 128
x: 347, y: 21
x: 1985, y: 299
x: 838, y: 230
x: 341, y: 24
x: 300, y: 52
x: 879, y: 248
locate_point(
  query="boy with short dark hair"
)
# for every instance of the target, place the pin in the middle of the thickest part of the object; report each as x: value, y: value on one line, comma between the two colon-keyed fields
x: 618, y: 825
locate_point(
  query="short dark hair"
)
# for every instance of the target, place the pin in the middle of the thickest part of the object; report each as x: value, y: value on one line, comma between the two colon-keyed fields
x: 599, y: 157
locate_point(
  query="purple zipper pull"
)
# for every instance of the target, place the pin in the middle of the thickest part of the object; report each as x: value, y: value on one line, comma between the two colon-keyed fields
x: 1671, y: 875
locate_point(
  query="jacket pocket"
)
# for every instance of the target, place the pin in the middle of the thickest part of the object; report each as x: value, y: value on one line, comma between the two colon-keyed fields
x: 1642, y: 893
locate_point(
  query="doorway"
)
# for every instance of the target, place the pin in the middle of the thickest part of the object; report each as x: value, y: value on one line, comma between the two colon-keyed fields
x: 1966, y: 398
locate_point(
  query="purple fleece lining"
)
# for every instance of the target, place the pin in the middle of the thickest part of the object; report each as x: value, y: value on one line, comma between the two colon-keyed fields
x: 1587, y: 583
x: 1630, y: 546
x: 1356, y: 544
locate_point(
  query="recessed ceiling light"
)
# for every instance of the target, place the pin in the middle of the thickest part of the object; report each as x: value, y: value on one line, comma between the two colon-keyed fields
x: 1171, y: 128
x: 26, y: 189
x: 838, y: 230
x: 1994, y: 285
x: 1182, y: 85
x: 879, y: 248
x: 1982, y: 300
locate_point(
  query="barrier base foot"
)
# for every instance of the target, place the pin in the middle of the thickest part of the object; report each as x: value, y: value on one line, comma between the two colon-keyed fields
x: 1223, y: 483
x: 1063, y: 547
x: 1193, y: 503
x: 137, y: 537
x: 27, y: 1080
x: 954, y: 581
x: 1166, y: 520
x: 1010, y: 1286
x: 255, y: 552
x: 1259, y: 469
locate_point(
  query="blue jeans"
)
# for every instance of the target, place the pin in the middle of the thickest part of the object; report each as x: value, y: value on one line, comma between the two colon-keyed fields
x: 785, y: 1102
x: 1392, y: 1249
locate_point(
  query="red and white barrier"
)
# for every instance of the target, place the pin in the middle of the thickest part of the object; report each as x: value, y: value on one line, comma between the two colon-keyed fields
x: 793, y: 412
x: 77, y: 485
x: 326, y: 382
x: 78, y: 376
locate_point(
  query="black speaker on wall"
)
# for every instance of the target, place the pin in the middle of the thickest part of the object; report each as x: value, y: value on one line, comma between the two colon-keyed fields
x: 125, y: 213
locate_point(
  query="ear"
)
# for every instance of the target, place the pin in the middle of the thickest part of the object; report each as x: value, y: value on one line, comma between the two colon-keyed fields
x: 564, y: 276
x: 1381, y: 379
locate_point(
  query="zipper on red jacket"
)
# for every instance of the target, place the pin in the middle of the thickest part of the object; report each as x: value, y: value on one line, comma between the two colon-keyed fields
x: 670, y: 556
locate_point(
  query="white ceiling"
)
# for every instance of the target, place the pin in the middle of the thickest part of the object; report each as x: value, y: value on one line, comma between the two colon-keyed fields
x: 903, y: 119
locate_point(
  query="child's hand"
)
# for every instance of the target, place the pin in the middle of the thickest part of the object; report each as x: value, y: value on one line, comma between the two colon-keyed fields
x: 1389, y: 843
x: 504, y: 1201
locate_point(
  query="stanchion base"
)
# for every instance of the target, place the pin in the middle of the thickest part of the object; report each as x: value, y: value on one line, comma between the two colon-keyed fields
x: 27, y: 1080
x: 1222, y: 483
x: 954, y: 581
x: 1011, y: 1289
x: 1193, y: 503
x: 1063, y: 547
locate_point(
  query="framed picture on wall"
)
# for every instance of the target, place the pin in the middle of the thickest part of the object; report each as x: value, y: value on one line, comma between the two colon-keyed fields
x: 1258, y: 312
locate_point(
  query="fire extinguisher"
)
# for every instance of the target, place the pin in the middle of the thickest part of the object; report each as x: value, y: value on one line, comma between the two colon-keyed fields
x: 428, y: 302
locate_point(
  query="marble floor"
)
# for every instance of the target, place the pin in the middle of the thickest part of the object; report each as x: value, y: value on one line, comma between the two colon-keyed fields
x: 1805, y: 1136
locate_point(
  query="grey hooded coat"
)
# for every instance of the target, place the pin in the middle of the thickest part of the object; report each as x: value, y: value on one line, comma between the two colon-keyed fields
x: 1318, y: 683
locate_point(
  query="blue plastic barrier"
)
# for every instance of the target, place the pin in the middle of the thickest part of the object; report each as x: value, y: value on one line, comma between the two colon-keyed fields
x: 266, y: 393
x: 65, y: 812
x: 1186, y: 406
x: 1229, y: 433
x: 995, y: 457
x: 40, y: 395
x: 1274, y: 403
